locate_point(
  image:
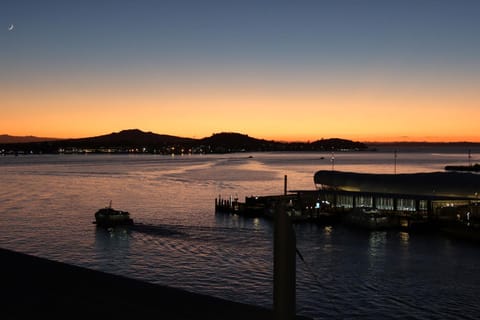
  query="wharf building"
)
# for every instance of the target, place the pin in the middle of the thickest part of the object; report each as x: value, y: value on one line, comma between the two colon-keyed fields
x: 376, y: 200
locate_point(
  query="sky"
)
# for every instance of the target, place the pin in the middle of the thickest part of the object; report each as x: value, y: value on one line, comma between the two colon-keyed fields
x: 298, y: 70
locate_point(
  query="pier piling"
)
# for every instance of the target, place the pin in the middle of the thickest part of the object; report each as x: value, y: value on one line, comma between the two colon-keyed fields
x: 284, y: 249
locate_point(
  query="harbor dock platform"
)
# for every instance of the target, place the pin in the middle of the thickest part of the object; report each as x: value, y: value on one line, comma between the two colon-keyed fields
x: 373, y: 210
x: 33, y: 286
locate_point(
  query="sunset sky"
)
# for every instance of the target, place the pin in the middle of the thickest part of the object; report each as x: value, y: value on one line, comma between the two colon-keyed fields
x: 285, y: 70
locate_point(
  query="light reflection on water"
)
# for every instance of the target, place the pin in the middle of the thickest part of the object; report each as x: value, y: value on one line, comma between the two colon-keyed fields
x: 47, y: 205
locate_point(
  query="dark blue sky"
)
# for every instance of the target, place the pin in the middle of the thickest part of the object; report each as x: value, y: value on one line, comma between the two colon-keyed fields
x: 248, y: 31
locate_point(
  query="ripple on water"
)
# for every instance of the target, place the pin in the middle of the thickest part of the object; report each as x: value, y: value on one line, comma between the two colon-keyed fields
x: 47, y: 206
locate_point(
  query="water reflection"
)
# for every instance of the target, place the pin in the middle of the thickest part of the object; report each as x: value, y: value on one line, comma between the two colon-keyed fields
x: 112, y: 236
x: 328, y: 231
x: 47, y: 205
x: 112, y: 248
x: 232, y: 220
x: 404, y: 237
x: 377, y: 241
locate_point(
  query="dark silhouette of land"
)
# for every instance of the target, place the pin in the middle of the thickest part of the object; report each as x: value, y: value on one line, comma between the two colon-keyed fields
x: 470, y: 168
x: 5, y: 138
x: 421, y: 145
x: 137, y: 141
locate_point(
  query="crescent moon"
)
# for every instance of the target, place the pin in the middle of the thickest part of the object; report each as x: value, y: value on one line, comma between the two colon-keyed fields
x: 11, y: 27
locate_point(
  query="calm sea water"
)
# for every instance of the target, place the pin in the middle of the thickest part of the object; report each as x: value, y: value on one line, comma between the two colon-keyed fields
x: 47, y: 205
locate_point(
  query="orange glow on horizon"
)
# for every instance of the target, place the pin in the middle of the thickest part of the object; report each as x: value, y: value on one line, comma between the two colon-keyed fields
x: 374, y: 114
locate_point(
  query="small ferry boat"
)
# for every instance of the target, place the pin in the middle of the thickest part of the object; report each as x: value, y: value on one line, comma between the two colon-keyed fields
x: 109, y: 217
x: 369, y: 218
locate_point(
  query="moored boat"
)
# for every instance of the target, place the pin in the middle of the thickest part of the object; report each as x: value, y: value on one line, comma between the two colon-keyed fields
x: 370, y: 218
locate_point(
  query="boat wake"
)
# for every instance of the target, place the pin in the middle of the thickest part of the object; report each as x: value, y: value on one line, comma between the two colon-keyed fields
x: 158, y: 230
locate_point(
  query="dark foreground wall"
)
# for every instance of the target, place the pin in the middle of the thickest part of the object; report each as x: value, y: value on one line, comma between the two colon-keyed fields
x: 32, y: 286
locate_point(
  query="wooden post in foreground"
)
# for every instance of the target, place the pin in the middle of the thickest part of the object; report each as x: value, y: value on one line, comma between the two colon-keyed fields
x: 284, y: 272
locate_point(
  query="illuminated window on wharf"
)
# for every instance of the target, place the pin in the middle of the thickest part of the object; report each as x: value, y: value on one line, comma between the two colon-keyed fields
x: 406, y: 205
x: 363, y: 201
x: 385, y: 203
x: 344, y: 201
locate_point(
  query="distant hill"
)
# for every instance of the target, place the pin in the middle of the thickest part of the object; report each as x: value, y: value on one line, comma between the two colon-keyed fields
x: 137, y: 141
x: 5, y: 138
x: 338, y: 144
x: 128, y: 139
x: 422, y: 146
x: 235, y: 142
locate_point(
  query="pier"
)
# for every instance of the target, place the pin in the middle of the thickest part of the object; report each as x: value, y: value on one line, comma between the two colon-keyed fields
x: 372, y: 210
x: 445, y: 201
